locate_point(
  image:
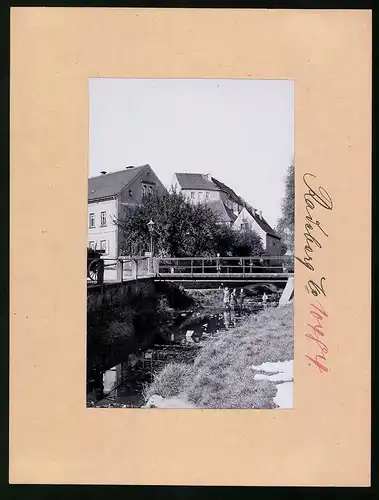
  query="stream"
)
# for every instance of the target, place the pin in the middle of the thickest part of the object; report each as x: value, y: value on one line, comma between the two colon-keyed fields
x: 123, y: 384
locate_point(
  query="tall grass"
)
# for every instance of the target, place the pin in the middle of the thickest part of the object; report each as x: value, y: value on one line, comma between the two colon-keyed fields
x: 221, y: 375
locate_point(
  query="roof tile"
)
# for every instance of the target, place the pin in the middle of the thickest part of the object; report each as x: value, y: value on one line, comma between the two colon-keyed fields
x: 107, y: 185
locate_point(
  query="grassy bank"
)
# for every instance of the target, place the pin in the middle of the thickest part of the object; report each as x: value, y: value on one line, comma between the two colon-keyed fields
x: 222, y: 375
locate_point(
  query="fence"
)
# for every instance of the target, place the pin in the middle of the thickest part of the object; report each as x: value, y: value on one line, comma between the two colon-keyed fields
x: 126, y: 268
x: 222, y: 266
x: 118, y: 270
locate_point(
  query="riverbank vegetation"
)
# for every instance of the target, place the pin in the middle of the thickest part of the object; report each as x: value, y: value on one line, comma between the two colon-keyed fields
x: 118, y: 329
x: 222, y: 375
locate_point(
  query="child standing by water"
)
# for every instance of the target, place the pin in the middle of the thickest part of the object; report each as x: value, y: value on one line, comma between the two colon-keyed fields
x: 233, y: 299
x: 226, y: 297
x: 241, y: 298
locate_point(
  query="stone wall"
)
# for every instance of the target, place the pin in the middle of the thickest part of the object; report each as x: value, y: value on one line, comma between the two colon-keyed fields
x: 112, y: 294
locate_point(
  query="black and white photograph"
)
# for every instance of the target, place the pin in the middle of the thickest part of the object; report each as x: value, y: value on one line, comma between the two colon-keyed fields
x: 190, y: 267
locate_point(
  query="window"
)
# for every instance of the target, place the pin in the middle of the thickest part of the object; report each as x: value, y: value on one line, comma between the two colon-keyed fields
x: 192, y: 195
x: 92, y: 220
x: 200, y: 195
x: 130, y: 193
x: 143, y: 191
x: 150, y: 189
x: 207, y: 195
x: 103, y: 245
x: 244, y: 225
x: 92, y: 245
x: 103, y: 218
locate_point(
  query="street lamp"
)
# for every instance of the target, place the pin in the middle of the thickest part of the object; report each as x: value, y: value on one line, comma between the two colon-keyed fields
x: 150, y: 226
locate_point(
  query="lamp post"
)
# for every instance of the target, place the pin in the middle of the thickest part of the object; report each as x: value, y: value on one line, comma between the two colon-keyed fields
x: 151, y: 225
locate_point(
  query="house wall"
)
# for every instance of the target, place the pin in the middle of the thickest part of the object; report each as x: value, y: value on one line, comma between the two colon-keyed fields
x: 273, y: 245
x: 213, y: 195
x: 246, y: 217
x: 175, y: 184
x: 132, y: 193
x: 109, y: 231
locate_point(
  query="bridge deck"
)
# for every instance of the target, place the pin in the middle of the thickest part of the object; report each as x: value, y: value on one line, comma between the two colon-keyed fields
x: 221, y: 276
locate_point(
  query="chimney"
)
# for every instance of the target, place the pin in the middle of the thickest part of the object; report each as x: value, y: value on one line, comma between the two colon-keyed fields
x: 103, y: 172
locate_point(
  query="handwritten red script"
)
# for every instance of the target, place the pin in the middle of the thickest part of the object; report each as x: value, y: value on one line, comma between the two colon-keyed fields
x: 318, y: 313
x: 315, y: 199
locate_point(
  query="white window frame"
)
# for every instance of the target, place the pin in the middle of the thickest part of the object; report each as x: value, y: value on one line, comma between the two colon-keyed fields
x: 106, y: 246
x: 192, y: 195
x: 207, y: 195
x: 103, y: 212
x: 91, y: 244
x: 91, y: 219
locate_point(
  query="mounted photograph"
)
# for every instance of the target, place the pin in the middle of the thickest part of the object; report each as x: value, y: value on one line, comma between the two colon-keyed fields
x: 190, y: 267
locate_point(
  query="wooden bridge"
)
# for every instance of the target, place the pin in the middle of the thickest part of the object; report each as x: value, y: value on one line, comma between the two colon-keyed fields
x: 215, y: 270
x: 223, y: 267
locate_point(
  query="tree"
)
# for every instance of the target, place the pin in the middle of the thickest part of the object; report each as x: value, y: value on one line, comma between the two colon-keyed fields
x: 286, y: 223
x: 247, y: 243
x: 181, y: 229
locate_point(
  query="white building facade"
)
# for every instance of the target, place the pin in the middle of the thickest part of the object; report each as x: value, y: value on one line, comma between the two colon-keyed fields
x: 102, y: 230
x: 107, y: 194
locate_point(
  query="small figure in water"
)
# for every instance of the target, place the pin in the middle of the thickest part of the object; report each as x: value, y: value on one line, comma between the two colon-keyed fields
x: 233, y: 299
x: 264, y: 299
x: 226, y: 297
x: 227, y: 318
x: 241, y: 298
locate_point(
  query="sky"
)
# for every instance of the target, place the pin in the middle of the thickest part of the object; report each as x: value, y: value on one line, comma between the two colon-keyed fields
x: 239, y: 131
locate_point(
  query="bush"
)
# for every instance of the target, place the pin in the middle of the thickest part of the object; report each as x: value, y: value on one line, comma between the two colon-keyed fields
x: 169, y: 382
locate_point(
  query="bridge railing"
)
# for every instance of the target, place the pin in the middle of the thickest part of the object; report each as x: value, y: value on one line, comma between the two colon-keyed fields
x: 191, y: 266
x: 119, y: 269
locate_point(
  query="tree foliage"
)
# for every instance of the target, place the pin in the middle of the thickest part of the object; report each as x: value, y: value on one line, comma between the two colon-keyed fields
x: 247, y: 242
x: 181, y: 229
x: 286, y: 223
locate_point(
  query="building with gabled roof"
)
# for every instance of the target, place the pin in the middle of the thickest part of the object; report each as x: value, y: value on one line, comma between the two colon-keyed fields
x: 107, y: 194
x: 250, y: 218
x: 231, y: 209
